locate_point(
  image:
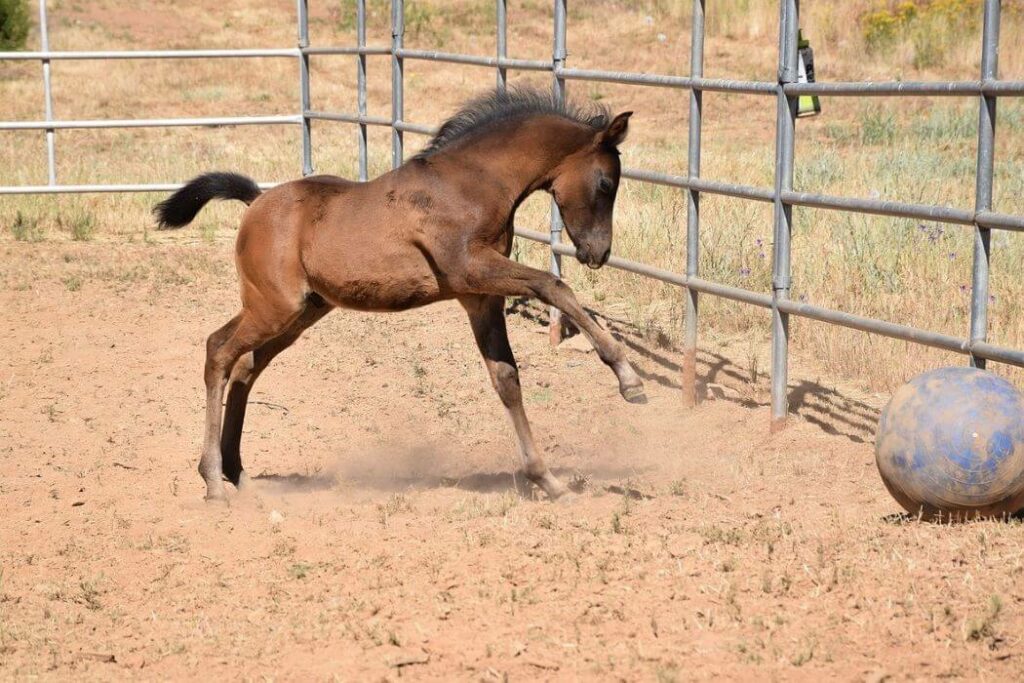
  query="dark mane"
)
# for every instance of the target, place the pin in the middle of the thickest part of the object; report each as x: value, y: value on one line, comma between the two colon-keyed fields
x: 514, y: 104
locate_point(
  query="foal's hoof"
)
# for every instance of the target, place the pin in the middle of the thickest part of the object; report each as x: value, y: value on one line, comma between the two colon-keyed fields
x: 561, y: 495
x: 634, y: 394
x: 216, y: 496
x: 566, y: 498
x: 244, y: 483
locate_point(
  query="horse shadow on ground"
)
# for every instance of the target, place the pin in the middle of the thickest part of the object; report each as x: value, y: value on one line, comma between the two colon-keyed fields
x: 720, y: 378
x: 478, y: 482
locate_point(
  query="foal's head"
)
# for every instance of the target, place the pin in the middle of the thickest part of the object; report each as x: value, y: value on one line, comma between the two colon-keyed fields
x: 585, y: 180
x: 585, y: 186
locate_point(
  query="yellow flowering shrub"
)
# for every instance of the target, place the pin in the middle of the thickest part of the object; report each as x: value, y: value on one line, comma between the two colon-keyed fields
x: 887, y: 20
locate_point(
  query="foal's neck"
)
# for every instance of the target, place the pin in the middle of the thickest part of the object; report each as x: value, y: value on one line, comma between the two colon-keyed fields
x: 524, y: 156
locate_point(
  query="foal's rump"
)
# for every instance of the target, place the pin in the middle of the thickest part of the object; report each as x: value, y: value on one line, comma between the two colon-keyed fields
x: 356, y: 245
x: 181, y: 208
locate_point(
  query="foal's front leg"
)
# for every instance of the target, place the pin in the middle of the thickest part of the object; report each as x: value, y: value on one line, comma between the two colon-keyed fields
x: 491, y: 273
x: 487, y: 317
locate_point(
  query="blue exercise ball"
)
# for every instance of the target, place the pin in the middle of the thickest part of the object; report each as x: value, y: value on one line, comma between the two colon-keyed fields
x: 950, y: 445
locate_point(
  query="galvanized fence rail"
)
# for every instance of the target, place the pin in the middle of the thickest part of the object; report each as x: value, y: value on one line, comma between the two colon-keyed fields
x: 783, y: 196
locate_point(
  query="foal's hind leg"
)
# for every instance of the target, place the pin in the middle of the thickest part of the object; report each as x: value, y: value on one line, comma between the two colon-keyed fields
x: 487, y: 317
x: 247, y: 369
x: 223, y: 349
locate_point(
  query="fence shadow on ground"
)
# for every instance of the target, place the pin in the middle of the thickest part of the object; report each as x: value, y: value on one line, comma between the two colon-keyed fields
x: 721, y: 379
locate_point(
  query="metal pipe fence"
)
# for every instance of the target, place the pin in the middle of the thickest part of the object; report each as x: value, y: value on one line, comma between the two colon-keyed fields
x: 783, y: 196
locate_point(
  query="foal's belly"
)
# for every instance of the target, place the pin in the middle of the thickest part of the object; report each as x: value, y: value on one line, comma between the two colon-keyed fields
x: 381, y: 293
x: 372, y: 275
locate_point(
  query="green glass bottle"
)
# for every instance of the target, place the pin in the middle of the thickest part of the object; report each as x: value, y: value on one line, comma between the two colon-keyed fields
x: 808, y: 105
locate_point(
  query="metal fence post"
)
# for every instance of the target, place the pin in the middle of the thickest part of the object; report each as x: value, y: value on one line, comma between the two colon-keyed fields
x: 689, y: 380
x: 558, y: 94
x: 361, y: 88
x: 44, y: 44
x: 397, y: 65
x: 983, y: 180
x: 501, y: 7
x: 783, y: 221
x: 307, y: 146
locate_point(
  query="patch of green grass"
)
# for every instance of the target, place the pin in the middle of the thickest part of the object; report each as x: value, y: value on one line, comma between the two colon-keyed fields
x: 396, y: 503
x: 477, y: 506
x: 714, y: 535
x: 210, y: 93
x: 208, y: 231
x: 944, y: 124
x: 666, y: 674
x: 26, y: 229
x: 983, y: 627
x: 619, y: 514
x: 818, y: 172
x: 419, y: 19
x: 840, y: 132
x: 90, y: 594
x: 14, y: 24
x: 804, y: 654
x: 81, y: 226
x: 300, y: 570
x: 540, y: 395
x: 877, y: 125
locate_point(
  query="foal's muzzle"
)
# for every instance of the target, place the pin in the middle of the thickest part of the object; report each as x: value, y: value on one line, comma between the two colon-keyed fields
x: 592, y: 258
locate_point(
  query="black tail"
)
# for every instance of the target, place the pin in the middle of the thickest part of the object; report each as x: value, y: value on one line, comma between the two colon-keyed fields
x: 180, y: 208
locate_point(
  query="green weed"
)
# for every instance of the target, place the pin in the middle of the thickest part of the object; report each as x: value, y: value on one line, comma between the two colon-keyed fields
x: 25, y: 229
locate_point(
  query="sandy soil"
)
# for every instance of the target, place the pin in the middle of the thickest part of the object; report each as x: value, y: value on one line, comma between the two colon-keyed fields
x: 387, y: 537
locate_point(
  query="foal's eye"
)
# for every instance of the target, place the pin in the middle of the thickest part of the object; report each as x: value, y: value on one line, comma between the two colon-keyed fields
x: 604, y: 185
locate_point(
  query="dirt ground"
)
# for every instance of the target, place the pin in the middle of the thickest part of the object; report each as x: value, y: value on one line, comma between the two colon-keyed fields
x: 387, y: 537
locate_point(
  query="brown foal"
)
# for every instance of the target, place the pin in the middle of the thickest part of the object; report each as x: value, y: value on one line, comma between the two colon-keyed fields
x: 437, y: 228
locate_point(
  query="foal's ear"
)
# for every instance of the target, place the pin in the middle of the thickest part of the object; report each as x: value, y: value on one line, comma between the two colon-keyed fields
x: 615, y: 133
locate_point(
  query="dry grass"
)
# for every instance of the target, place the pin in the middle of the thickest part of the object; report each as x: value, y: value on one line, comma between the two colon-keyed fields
x: 919, y: 150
